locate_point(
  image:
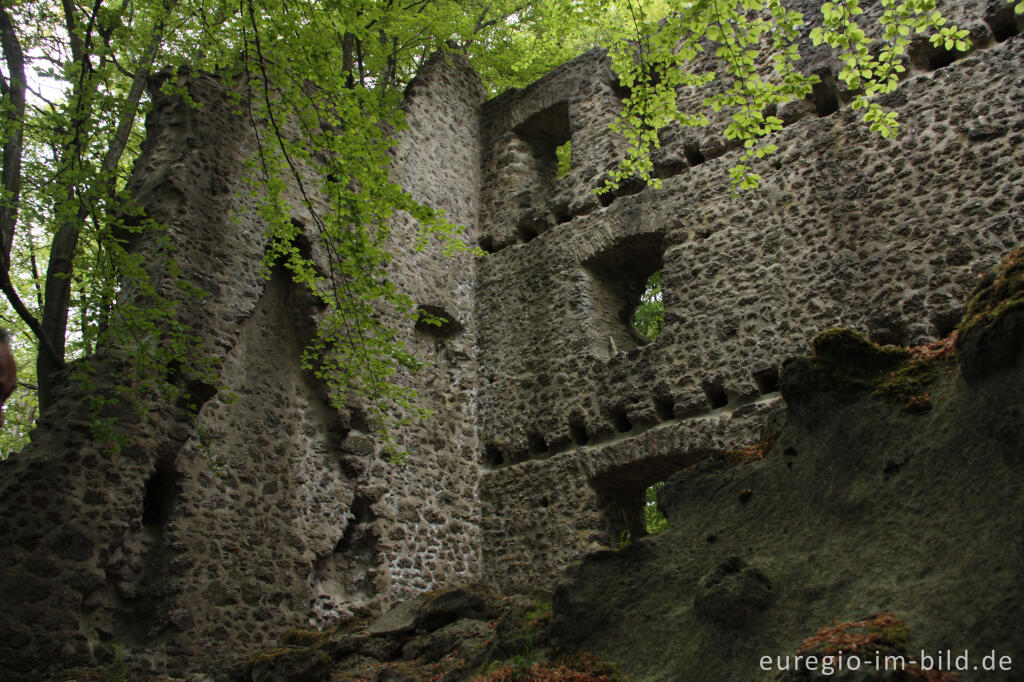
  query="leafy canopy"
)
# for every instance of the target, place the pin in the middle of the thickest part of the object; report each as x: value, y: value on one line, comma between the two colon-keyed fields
x: 73, y: 82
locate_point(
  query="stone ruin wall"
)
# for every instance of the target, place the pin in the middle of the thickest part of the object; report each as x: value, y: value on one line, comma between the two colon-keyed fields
x: 272, y: 509
x: 203, y: 538
x: 577, y: 417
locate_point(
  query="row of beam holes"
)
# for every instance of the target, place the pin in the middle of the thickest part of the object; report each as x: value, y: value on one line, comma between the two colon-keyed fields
x: 826, y: 101
x: 767, y: 381
x: 537, y: 444
x: 824, y: 96
x: 1003, y: 23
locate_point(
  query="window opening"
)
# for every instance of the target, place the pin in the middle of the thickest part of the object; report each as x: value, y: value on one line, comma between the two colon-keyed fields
x: 433, y: 320
x: 654, y: 519
x: 628, y: 498
x: 563, y: 153
x: 619, y: 278
x: 649, y: 315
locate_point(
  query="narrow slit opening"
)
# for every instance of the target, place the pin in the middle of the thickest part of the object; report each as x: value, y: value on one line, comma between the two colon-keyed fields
x: 158, y: 499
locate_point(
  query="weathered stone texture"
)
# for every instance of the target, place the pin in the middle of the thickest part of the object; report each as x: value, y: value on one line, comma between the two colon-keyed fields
x: 862, y: 508
x: 432, y: 537
x: 847, y: 229
x: 271, y: 508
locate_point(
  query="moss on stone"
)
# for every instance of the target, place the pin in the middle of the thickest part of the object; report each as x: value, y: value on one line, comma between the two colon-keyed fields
x: 898, y: 374
x: 305, y: 638
x: 996, y: 294
x: 269, y: 654
x: 540, y: 616
x: 907, y: 381
x: 852, y: 357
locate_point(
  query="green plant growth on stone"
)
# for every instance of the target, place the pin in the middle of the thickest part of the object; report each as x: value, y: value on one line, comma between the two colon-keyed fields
x: 66, y: 162
x: 898, y: 374
x: 541, y: 615
x: 654, y: 520
x: 996, y: 294
x: 563, y: 153
x: 625, y: 540
x: 649, y: 316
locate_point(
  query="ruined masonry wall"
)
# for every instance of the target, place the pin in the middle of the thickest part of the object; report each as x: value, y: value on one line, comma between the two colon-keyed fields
x: 433, y: 537
x: 203, y: 538
x: 577, y: 415
x: 271, y: 509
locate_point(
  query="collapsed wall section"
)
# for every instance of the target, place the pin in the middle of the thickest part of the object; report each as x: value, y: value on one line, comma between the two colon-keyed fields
x: 847, y: 228
x: 204, y: 534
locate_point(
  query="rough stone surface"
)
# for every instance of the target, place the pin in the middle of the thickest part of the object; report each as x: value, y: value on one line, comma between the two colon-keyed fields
x: 423, y: 648
x: 848, y: 229
x: 861, y: 508
x: 270, y: 509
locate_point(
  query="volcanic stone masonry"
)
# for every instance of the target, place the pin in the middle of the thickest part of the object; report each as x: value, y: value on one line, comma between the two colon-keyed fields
x: 271, y: 509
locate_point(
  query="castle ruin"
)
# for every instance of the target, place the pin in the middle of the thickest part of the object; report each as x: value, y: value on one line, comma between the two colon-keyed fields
x: 271, y: 509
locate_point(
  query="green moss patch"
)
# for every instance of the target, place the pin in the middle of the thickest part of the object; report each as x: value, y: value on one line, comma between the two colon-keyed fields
x: 305, y: 638
x: 852, y: 357
x: 996, y: 294
x: 897, y: 374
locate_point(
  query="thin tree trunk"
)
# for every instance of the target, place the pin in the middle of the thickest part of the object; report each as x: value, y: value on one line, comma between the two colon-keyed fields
x: 14, y: 92
x: 60, y: 268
